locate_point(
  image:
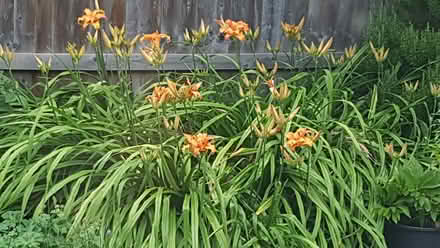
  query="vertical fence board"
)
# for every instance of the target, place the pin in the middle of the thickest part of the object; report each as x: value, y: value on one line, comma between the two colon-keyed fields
x: 24, y: 26
x: 44, y: 25
x: 207, y: 10
x: 358, y: 20
x: 172, y: 13
x: 7, y: 23
x: 67, y: 28
x: 266, y: 23
x: 277, y: 17
x: 142, y: 16
x: 117, y: 16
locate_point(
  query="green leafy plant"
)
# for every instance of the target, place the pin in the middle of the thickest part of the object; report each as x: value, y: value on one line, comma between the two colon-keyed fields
x: 412, y: 195
x: 209, y: 159
x: 43, y: 231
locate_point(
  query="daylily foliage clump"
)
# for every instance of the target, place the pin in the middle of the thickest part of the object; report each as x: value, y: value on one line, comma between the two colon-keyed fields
x: 271, y: 156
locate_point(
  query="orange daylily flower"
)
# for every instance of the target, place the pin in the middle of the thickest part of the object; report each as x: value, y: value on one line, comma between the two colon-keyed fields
x: 186, y: 92
x: 155, y: 38
x: 160, y: 96
x: 91, y: 18
x: 301, y: 137
x: 199, y: 143
x: 233, y: 29
x: 190, y: 91
x: 293, y: 31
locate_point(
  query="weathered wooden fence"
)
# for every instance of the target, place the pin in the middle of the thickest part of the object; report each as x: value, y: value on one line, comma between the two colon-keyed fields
x: 44, y: 27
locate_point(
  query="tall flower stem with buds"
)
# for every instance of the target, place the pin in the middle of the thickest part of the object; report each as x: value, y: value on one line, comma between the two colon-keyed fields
x: 293, y: 33
x: 7, y: 55
x: 380, y: 54
x: 93, y: 18
x: 235, y: 30
x: 44, y: 67
x: 76, y: 55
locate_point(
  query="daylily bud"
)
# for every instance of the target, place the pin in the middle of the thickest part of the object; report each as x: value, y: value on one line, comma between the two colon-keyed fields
x: 410, y: 87
x: 268, y: 46
x: 93, y: 40
x: 44, y: 66
x: 380, y: 54
x: 284, y: 92
x: 319, y: 51
x: 435, y: 90
x: 261, y: 68
x: 107, y: 42
x: 350, y: 52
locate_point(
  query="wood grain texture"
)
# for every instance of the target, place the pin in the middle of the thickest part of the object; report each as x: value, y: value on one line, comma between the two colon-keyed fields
x: 178, y: 62
x: 44, y: 26
x: 7, y: 23
x: 67, y: 28
x: 24, y: 26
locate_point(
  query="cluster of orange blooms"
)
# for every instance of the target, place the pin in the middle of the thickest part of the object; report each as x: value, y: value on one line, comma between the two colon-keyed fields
x: 199, y: 143
x: 239, y: 30
x: 162, y: 95
x: 233, y: 29
x: 301, y: 137
x: 154, y: 53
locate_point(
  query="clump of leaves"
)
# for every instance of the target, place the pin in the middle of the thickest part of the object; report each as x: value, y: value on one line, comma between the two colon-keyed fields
x: 412, y: 195
x: 46, y: 230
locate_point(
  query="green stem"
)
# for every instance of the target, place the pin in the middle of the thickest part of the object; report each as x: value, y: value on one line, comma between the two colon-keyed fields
x: 292, y: 54
x: 193, y: 58
x: 238, y: 55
